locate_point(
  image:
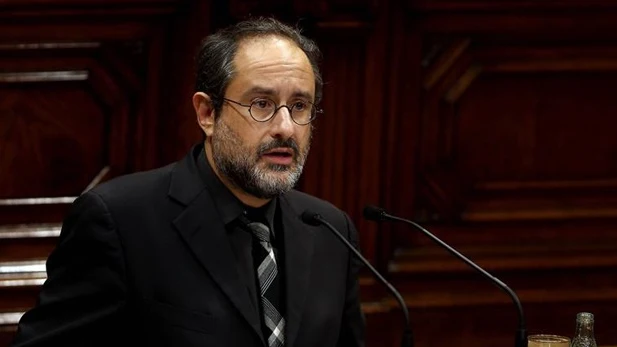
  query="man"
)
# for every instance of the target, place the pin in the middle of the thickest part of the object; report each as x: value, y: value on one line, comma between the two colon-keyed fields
x: 211, y: 250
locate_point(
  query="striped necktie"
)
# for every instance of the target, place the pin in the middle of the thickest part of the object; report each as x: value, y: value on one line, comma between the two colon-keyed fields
x: 273, y: 323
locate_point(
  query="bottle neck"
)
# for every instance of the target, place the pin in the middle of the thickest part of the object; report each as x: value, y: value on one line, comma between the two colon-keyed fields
x: 584, y: 329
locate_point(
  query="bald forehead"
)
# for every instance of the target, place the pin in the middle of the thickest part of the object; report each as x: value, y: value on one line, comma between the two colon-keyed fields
x: 253, y: 49
x: 273, y: 65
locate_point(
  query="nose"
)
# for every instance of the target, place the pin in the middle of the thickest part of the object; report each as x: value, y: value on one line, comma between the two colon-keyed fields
x: 282, y: 125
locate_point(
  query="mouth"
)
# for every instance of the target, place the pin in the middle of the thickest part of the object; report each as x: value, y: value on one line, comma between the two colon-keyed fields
x: 279, y: 156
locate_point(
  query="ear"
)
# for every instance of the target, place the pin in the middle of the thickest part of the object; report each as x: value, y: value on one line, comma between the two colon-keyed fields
x: 204, y: 110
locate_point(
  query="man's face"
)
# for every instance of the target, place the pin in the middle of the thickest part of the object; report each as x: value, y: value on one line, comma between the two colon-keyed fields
x: 264, y: 159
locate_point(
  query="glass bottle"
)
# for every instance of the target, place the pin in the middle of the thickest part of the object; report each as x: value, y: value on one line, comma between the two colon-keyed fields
x: 584, y: 336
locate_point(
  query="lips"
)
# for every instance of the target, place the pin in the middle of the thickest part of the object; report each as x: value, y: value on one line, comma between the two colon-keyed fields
x: 280, y: 156
x: 280, y: 152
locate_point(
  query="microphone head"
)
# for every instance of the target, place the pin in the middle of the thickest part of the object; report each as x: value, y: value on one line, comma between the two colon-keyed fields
x: 374, y: 213
x: 311, y: 218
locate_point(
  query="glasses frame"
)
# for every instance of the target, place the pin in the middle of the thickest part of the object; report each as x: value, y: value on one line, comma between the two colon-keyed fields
x: 314, y: 113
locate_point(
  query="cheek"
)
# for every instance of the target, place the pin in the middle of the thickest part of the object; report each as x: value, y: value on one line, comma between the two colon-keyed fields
x: 304, y: 136
x: 246, y: 137
x: 252, y: 141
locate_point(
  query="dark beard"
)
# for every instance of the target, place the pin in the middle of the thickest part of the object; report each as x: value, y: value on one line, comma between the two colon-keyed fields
x: 239, y: 169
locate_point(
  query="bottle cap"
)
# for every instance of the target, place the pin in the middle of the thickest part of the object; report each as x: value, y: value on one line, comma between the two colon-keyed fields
x: 584, y: 317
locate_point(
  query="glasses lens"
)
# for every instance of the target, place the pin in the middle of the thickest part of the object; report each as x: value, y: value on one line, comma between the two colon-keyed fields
x: 262, y: 109
x: 303, y: 116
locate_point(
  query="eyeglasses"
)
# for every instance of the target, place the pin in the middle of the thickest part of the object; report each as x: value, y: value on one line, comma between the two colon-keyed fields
x: 263, y: 109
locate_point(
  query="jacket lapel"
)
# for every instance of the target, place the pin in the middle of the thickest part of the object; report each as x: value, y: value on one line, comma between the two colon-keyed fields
x: 205, y: 235
x: 299, y: 244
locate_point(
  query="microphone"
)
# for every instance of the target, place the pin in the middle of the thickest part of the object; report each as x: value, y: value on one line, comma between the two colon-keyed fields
x: 520, y: 339
x: 315, y: 219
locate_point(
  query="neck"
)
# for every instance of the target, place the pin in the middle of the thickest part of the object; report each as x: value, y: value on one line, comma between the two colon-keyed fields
x: 243, y: 196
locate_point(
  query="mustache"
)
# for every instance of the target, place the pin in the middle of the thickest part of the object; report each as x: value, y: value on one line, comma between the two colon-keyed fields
x: 279, y: 143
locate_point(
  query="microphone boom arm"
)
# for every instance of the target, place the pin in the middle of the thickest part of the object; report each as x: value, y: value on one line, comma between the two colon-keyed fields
x: 520, y: 339
x: 407, y: 339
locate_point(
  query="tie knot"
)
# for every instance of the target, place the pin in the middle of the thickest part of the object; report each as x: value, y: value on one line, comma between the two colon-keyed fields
x: 261, y: 231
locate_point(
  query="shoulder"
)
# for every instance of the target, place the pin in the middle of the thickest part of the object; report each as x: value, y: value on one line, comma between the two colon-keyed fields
x: 300, y: 199
x: 130, y: 201
x: 136, y: 182
x: 139, y: 186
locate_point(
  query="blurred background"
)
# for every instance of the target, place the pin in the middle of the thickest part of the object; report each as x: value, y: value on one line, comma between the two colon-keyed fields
x: 491, y: 122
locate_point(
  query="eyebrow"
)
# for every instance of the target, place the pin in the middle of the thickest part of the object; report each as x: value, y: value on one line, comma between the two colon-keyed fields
x: 272, y: 92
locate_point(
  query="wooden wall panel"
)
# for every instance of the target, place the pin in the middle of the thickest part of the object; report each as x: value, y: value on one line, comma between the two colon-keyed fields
x: 515, y: 165
x: 64, y: 120
x: 32, y: 120
x: 97, y: 80
x: 347, y: 136
x: 178, y: 129
x: 523, y: 122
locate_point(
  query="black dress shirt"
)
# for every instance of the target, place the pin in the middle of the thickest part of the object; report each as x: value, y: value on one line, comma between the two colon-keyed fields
x: 230, y: 209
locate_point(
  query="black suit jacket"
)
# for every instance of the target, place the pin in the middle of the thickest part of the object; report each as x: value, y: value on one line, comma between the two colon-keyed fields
x: 144, y: 260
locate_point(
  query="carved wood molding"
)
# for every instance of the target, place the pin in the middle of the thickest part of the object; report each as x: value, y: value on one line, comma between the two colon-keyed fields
x: 449, y: 299
x: 43, y: 76
x: 304, y: 8
x: 500, y: 258
x: 508, y: 5
x: 532, y: 20
x: 314, y: 17
x: 540, y: 274
x: 24, y: 231
x: 10, y: 318
x: 17, y: 9
x: 22, y: 273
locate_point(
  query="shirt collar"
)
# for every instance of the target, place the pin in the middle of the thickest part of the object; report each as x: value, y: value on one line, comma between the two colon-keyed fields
x: 228, y: 205
x: 263, y: 214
